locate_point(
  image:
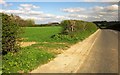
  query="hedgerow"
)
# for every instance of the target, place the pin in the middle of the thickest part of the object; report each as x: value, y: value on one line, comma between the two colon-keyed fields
x: 75, y: 30
x: 10, y: 34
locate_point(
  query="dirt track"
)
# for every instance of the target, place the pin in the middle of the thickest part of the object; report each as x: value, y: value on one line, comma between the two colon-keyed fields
x: 24, y: 44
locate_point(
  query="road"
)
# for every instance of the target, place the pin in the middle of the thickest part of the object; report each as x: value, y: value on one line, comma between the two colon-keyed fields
x: 103, y: 56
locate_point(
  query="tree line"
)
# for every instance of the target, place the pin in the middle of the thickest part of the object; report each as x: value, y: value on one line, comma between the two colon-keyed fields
x: 115, y: 25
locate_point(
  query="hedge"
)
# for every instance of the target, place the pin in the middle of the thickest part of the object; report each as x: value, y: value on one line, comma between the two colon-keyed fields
x: 10, y: 34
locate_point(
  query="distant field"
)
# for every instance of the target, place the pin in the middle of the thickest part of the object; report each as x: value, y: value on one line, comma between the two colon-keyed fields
x: 40, y: 34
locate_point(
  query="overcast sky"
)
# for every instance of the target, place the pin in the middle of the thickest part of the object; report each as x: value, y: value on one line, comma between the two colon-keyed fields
x: 56, y: 11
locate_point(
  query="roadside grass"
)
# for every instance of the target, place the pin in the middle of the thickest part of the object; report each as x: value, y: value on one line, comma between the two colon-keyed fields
x: 83, y: 35
x: 80, y: 36
x: 25, y: 60
x: 29, y: 58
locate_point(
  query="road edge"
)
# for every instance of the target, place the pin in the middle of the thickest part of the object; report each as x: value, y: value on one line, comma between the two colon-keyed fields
x: 88, y: 51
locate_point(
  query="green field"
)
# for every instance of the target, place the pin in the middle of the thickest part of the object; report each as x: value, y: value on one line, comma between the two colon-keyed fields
x: 40, y: 34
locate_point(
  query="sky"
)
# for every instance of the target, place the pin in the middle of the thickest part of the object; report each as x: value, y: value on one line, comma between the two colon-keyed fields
x: 57, y: 10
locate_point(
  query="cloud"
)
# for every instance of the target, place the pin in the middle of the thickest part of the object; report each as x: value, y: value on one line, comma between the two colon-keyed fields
x: 27, y: 7
x: 45, y: 18
x: 4, y: 3
x: 38, y: 16
x: 35, y: 12
x: 108, y: 13
x: 77, y: 16
x: 12, y: 11
x: 73, y: 10
x: 27, y: 11
x: 97, y: 8
x: 107, y: 8
x: 112, y: 7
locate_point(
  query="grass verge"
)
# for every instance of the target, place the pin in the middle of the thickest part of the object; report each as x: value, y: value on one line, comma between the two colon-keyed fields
x: 29, y: 58
x: 25, y: 60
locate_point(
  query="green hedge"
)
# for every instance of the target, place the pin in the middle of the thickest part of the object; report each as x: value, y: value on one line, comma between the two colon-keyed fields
x: 10, y: 32
x: 74, y: 26
x: 75, y: 30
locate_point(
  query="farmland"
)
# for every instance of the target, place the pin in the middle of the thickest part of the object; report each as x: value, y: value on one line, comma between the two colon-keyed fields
x: 40, y: 34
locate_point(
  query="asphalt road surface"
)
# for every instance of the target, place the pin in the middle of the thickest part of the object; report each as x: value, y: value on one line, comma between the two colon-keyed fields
x: 103, y: 57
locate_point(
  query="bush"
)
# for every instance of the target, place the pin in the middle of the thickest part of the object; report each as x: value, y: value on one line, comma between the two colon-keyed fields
x: 61, y: 37
x: 72, y: 27
x: 75, y: 30
x: 10, y: 31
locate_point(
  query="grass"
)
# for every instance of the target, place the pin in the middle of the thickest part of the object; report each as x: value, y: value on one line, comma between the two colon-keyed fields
x: 43, y: 34
x: 25, y: 60
x: 40, y: 34
x: 79, y: 36
x: 29, y: 58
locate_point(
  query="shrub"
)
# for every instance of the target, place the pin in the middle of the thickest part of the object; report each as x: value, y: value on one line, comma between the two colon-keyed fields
x: 71, y: 27
x: 75, y: 30
x: 10, y: 31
